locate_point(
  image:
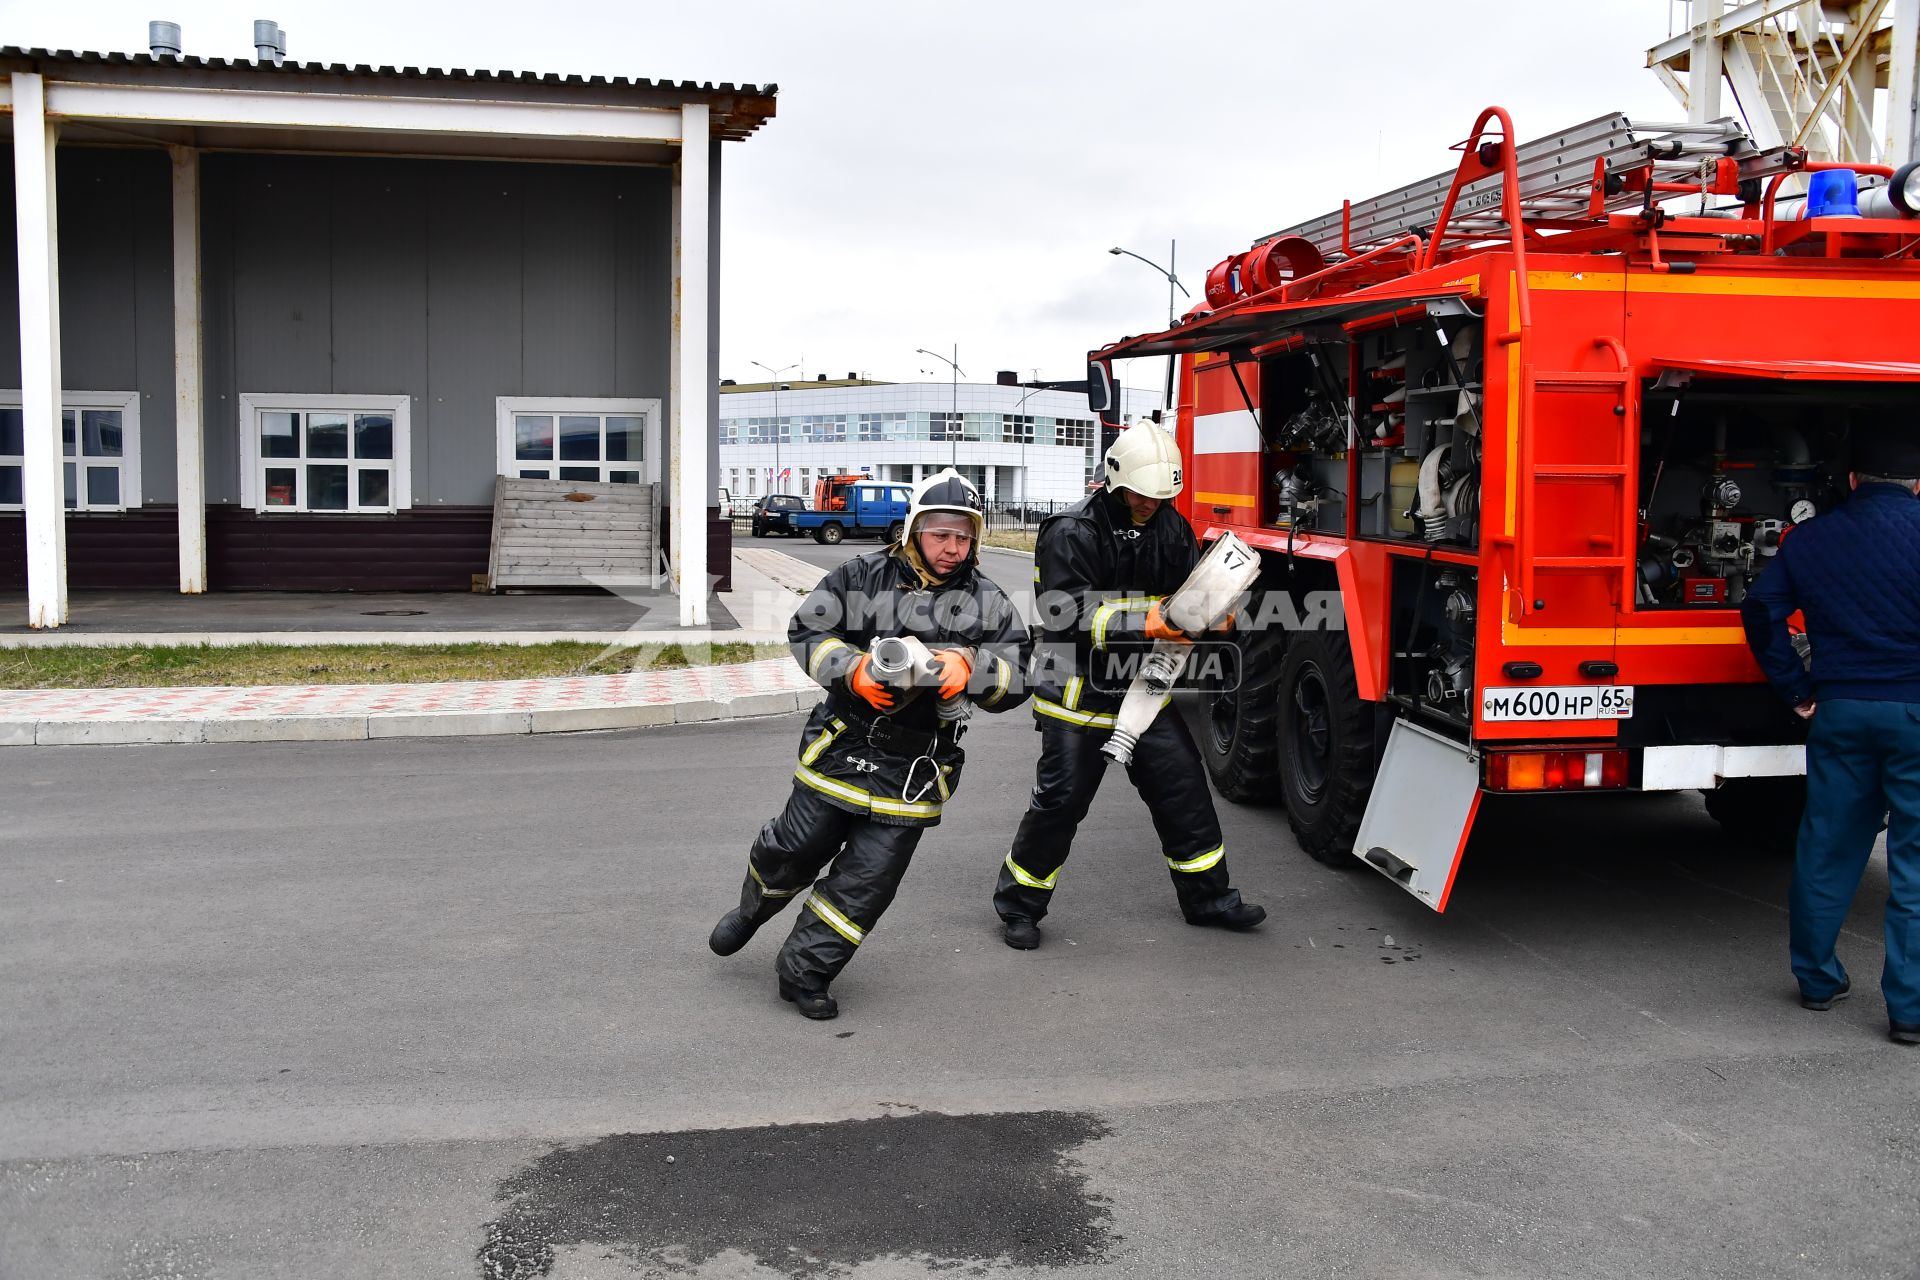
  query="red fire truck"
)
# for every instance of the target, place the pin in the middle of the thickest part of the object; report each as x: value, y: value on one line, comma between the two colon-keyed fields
x: 1512, y: 442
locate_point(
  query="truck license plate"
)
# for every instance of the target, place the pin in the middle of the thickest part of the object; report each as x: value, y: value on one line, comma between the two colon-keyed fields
x: 1580, y: 702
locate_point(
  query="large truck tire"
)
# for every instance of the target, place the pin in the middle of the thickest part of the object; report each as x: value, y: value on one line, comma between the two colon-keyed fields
x: 896, y: 532
x: 830, y: 533
x: 1241, y: 744
x: 1761, y: 813
x: 1325, y: 746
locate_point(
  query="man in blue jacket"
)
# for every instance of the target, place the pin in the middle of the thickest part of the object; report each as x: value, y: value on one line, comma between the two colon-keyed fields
x: 1855, y: 575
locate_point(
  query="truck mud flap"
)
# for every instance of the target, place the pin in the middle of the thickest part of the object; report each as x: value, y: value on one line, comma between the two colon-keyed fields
x: 1417, y: 821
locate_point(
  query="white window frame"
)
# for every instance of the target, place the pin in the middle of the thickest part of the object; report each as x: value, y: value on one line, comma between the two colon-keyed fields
x: 505, y: 407
x: 253, y: 488
x: 128, y: 403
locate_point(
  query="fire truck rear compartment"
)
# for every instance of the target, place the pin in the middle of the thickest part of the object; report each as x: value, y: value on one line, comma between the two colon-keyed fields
x: 1728, y: 467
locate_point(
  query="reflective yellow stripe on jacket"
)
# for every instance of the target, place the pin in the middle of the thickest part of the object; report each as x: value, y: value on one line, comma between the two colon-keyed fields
x: 820, y: 652
x: 1003, y: 680
x: 1104, y: 614
x: 1085, y: 719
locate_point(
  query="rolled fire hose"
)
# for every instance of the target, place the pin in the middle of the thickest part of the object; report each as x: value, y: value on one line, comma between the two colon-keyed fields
x: 905, y: 664
x: 1209, y: 594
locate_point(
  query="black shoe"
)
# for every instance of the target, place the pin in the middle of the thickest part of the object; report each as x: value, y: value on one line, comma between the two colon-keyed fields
x: 817, y: 1005
x: 1240, y: 917
x: 1827, y: 1002
x: 1903, y: 1032
x: 1022, y: 934
x: 735, y: 930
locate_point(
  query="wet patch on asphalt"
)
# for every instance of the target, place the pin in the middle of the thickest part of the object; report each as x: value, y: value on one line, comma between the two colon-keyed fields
x: 810, y: 1200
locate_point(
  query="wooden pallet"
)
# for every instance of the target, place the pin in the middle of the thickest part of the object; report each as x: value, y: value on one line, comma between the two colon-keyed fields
x: 562, y: 533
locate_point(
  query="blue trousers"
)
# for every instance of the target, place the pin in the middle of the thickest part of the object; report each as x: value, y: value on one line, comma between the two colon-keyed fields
x: 1863, y: 760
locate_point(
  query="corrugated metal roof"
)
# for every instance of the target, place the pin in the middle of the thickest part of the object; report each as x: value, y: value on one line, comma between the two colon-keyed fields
x: 739, y: 110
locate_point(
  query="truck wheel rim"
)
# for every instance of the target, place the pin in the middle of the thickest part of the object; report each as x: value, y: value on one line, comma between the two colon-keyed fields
x: 1311, y: 726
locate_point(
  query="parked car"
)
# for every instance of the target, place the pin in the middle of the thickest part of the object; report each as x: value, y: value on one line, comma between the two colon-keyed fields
x: 773, y: 514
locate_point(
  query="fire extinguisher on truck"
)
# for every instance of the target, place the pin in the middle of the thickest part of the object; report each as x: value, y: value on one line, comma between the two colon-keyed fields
x: 1535, y: 432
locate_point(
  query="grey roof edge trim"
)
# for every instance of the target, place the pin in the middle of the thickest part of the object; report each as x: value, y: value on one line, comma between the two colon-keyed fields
x: 197, y: 62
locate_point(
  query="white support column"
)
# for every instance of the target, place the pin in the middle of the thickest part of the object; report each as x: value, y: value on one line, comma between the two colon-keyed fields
x: 689, y: 380
x: 188, y: 413
x: 43, y: 493
x: 1903, y: 85
x: 1703, y: 61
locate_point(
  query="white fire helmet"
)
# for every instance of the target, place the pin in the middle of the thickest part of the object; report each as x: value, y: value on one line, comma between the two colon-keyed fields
x: 1146, y: 460
x: 947, y: 490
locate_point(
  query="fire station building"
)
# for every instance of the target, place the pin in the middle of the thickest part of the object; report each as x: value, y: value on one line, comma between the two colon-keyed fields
x: 281, y: 326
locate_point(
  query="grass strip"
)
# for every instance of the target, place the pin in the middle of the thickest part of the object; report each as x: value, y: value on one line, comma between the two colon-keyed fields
x: 135, y: 666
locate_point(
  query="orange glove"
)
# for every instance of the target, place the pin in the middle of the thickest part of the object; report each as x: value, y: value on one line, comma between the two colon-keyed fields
x: 867, y: 689
x: 1159, y: 629
x: 955, y: 671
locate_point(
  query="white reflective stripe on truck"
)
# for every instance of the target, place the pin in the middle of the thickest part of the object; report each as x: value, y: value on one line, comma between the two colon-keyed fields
x: 1234, y: 432
x: 1697, y: 767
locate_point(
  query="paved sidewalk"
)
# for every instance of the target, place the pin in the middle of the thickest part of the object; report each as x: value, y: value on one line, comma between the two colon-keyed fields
x: 341, y: 712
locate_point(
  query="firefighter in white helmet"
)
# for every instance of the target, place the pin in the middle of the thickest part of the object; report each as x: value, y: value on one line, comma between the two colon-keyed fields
x: 877, y: 762
x: 1103, y: 566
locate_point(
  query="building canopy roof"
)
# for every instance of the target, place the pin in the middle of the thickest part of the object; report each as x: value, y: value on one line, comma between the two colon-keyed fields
x: 737, y: 110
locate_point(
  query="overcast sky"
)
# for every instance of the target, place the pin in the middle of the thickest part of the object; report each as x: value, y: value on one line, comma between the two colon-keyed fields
x: 942, y: 174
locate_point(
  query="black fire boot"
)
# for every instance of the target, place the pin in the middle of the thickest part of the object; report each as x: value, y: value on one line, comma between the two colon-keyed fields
x: 817, y: 1005
x: 1239, y: 917
x: 735, y: 930
x: 1022, y: 934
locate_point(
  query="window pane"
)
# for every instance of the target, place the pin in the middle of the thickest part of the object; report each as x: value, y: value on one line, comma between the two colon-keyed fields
x: 579, y: 473
x: 373, y: 435
x: 10, y: 486
x: 580, y: 439
x: 280, y: 486
x: 280, y: 437
x: 532, y: 436
x: 66, y: 435
x: 100, y: 433
x: 103, y: 486
x: 13, y: 437
x: 626, y: 439
x: 327, y: 486
x: 373, y: 487
x: 623, y: 477
x: 326, y: 435
x: 71, y: 500
x: 536, y: 475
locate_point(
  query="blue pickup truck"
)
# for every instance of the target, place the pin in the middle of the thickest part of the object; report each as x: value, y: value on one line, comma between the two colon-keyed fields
x: 877, y: 509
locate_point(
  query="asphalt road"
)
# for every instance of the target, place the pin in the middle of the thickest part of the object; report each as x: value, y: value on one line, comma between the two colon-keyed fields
x: 444, y: 1008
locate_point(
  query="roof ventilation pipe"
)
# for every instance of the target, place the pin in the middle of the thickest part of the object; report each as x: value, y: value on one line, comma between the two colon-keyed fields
x: 269, y: 41
x: 163, y: 39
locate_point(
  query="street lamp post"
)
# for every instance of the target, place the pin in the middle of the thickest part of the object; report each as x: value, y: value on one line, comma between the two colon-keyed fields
x: 1173, y: 282
x: 954, y: 419
x: 776, y: 414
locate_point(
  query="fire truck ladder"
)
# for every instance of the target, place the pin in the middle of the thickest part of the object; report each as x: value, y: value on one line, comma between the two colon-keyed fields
x: 1532, y: 477
x: 1556, y: 183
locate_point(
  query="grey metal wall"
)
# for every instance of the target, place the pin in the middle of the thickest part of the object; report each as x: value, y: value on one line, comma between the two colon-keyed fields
x: 116, y: 289
x: 452, y: 282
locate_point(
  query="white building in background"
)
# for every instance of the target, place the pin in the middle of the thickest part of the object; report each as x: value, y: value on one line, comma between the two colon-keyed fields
x: 1017, y: 443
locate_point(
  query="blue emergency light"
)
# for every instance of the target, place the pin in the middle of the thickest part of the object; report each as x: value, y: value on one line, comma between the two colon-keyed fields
x: 1834, y: 193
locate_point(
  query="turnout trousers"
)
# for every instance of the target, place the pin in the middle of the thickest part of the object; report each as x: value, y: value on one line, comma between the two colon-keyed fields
x: 869, y: 859
x: 1167, y: 772
x: 1863, y: 760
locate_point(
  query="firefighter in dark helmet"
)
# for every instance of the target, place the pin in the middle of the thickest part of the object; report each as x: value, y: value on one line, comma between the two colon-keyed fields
x: 878, y: 761
x: 1102, y: 567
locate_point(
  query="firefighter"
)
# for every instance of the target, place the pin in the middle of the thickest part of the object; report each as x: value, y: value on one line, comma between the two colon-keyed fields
x: 877, y: 763
x: 1102, y: 566
x: 1855, y: 575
